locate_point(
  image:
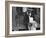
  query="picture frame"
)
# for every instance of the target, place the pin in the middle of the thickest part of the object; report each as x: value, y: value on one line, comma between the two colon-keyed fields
x: 9, y: 8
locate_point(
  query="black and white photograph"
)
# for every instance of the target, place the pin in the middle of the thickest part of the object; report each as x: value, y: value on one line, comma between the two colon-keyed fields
x: 25, y: 18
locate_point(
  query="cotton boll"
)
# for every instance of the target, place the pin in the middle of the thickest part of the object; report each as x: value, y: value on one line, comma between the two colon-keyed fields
x: 36, y: 25
x: 33, y: 28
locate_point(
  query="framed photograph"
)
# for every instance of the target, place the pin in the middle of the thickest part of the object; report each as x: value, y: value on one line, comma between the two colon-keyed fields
x: 24, y: 18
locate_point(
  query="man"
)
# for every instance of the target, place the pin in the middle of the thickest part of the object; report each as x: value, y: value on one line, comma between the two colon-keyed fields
x: 26, y: 20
